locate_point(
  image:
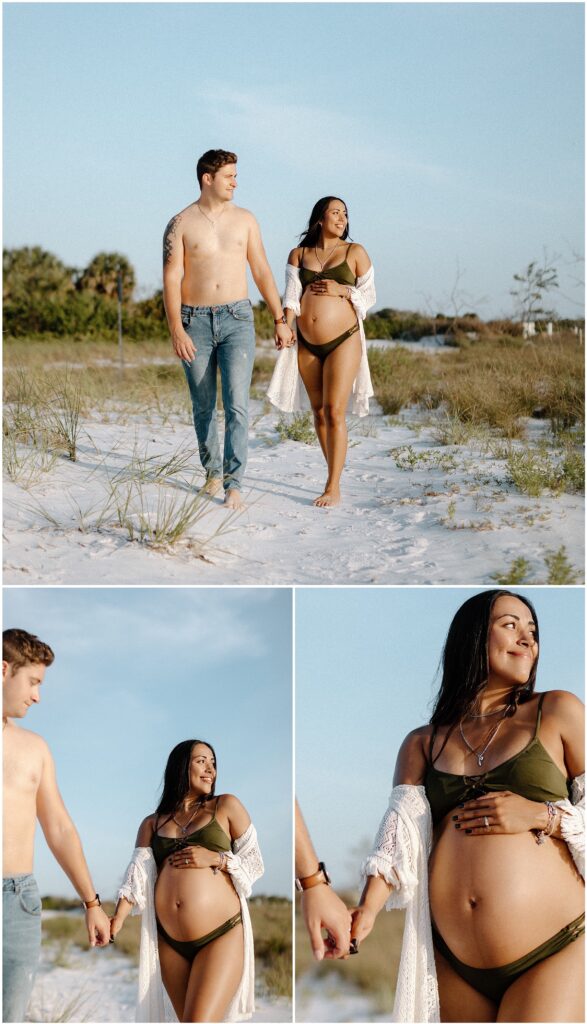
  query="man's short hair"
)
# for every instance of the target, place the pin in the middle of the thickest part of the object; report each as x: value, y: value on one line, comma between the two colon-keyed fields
x: 20, y: 648
x: 212, y: 160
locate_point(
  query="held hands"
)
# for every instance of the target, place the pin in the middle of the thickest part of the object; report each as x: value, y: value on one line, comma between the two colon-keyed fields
x: 194, y: 857
x: 363, y: 920
x: 324, y: 286
x: 497, y: 813
x: 322, y: 908
x: 98, y: 925
x: 116, y: 924
x: 284, y: 336
x: 183, y: 345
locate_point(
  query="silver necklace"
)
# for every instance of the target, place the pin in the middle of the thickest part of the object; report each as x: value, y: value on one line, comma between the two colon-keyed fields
x: 326, y: 258
x: 488, y: 714
x: 479, y: 752
x: 209, y: 219
x: 183, y: 828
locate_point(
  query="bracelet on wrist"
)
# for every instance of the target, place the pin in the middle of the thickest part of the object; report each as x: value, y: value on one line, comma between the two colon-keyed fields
x: 319, y: 877
x: 90, y: 904
x: 543, y: 833
x: 280, y: 320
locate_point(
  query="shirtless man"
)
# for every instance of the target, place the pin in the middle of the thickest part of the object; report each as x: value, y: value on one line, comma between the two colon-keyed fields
x: 206, y: 249
x: 30, y: 792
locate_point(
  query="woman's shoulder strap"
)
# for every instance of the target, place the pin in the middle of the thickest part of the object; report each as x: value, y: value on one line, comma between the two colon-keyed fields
x: 539, y: 713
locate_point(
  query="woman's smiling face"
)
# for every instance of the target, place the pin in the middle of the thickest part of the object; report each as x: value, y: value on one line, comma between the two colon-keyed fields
x: 202, y: 769
x: 511, y: 643
x: 335, y: 218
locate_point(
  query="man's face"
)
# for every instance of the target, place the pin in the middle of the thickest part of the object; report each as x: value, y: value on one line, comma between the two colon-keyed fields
x: 20, y: 688
x: 223, y: 184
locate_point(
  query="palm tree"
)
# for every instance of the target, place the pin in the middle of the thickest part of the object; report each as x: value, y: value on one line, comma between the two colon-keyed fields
x: 101, y: 275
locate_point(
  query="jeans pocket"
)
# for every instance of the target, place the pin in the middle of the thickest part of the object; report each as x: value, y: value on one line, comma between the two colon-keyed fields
x: 242, y: 311
x: 30, y: 902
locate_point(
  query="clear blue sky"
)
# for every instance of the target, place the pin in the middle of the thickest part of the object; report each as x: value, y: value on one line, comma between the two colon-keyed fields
x: 453, y: 131
x: 365, y: 670
x: 138, y: 670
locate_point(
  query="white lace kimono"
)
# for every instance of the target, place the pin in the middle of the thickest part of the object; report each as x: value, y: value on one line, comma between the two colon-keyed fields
x: 400, y: 856
x: 286, y: 390
x: 245, y: 866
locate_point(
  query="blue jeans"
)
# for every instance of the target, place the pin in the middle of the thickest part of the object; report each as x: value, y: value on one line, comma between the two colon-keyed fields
x: 224, y: 338
x: 21, y: 943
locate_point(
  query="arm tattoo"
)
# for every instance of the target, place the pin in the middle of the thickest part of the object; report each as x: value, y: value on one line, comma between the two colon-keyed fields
x: 168, y: 238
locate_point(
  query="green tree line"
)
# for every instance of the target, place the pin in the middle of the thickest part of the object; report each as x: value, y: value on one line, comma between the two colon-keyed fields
x: 42, y: 295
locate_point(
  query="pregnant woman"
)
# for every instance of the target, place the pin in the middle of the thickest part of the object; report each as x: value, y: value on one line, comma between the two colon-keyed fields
x: 329, y: 288
x: 195, y: 862
x: 483, y: 840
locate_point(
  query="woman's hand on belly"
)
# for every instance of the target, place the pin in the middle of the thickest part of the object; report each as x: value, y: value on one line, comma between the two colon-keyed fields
x: 324, y: 286
x: 497, y: 813
x: 195, y: 857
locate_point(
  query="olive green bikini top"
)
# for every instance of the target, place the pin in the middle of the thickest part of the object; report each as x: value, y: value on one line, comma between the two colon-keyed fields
x: 341, y: 273
x: 532, y: 774
x: 212, y: 836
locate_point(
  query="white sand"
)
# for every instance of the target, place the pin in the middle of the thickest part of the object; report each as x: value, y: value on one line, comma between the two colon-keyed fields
x: 450, y: 523
x: 329, y: 998
x: 100, y: 985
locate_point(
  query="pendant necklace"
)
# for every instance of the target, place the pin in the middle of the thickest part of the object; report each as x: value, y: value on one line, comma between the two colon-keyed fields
x: 209, y: 219
x: 479, y: 752
x: 327, y: 257
x: 183, y: 828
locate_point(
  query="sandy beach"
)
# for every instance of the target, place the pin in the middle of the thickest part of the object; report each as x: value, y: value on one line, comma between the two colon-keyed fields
x: 101, y: 984
x: 414, y: 511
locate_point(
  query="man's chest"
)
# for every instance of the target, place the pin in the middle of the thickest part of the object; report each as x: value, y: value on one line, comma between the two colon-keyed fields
x: 222, y: 242
x: 21, y: 772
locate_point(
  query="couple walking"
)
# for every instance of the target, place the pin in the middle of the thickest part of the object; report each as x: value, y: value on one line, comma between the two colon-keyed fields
x: 193, y: 867
x: 329, y: 288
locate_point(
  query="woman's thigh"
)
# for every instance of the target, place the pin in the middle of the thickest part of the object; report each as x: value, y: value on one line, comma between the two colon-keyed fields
x: 215, y: 976
x: 310, y: 368
x: 340, y: 369
x: 175, y: 971
x: 553, y: 990
x: 459, y: 1001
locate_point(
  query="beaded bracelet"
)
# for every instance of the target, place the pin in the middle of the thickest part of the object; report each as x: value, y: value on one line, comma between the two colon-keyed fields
x: 542, y: 833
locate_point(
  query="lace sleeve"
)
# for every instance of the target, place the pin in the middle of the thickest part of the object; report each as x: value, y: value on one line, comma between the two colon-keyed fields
x: 293, y: 289
x: 394, y: 859
x: 245, y: 863
x: 363, y: 294
x: 136, y: 881
x: 573, y: 822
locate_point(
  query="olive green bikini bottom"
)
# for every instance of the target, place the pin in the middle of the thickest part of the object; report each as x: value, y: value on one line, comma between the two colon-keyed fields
x: 189, y: 950
x: 493, y: 981
x: 328, y: 346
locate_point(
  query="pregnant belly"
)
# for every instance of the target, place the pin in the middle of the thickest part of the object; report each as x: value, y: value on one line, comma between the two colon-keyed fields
x: 192, y: 902
x: 324, y: 317
x: 494, y: 898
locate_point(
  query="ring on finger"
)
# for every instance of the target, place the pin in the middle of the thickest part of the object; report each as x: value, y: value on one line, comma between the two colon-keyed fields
x: 486, y: 821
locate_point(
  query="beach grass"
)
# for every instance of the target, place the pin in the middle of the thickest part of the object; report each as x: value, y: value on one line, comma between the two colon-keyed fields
x: 272, y: 927
x: 373, y: 969
x: 495, y: 381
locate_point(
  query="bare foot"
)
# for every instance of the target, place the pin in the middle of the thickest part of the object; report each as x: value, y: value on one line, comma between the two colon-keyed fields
x: 233, y: 499
x: 212, y: 486
x: 330, y: 497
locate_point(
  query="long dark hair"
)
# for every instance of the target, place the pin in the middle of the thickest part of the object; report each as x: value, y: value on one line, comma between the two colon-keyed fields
x: 311, y: 234
x: 465, y: 662
x: 176, y: 781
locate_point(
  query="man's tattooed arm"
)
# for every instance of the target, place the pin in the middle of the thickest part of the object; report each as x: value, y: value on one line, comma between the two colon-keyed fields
x: 168, y: 239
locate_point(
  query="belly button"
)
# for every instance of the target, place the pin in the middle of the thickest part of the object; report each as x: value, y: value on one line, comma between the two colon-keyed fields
x: 178, y: 904
x: 472, y: 902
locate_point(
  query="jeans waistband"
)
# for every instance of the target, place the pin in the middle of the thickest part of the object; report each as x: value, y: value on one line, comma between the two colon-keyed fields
x: 213, y: 309
x: 16, y: 883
